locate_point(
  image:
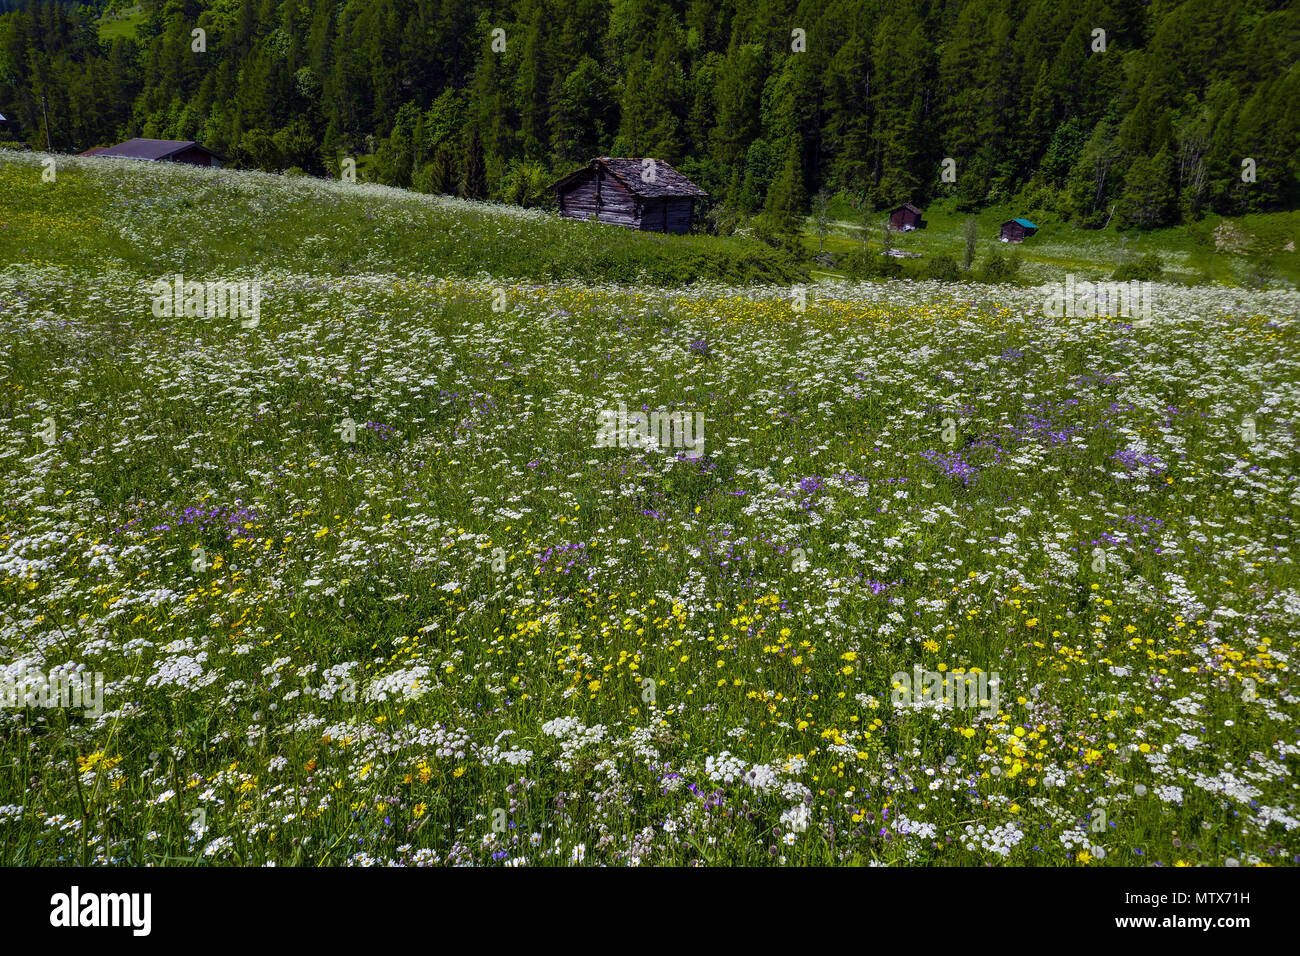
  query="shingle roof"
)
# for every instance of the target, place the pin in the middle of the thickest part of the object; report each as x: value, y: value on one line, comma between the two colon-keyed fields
x: 667, y: 181
x: 909, y: 207
x: 150, y: 148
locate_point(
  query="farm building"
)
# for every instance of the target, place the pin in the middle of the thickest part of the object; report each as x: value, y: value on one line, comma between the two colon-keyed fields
x: 644, y: 194
x: 906, y: 218
x: 161, y: 150
x: 1017, y: 230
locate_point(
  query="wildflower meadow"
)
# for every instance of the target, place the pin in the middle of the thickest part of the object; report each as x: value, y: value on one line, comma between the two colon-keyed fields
x: 445, y: 550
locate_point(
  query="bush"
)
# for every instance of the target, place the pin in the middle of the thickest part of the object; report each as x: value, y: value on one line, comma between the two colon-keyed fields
x: 1145, y: 268
x: 942, y: 267
x: 887, y: 267
x: 1262, y: 273
x: 1001, y: 269
x: 525, y: 184
x: 865, y: 263
x: 857, y: 263
x: 774, y: 231
x: 720, y: 220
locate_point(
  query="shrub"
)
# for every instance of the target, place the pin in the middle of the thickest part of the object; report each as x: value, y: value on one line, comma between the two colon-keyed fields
x: 774, y: 231
x: 1262, y: 273
x: 1145, y: 268
x: 1001, y: 269
x: 525, y: 184
x: 858, y: 263
x: 720, y: 220
x: 942, y: 267
x: 888, y: 267
x: 864, y: 263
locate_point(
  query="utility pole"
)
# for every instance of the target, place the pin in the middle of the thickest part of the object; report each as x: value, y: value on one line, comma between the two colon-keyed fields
x: 46, y: 113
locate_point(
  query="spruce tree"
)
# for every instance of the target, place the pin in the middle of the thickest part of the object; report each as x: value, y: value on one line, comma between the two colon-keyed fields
x: 473, y: 178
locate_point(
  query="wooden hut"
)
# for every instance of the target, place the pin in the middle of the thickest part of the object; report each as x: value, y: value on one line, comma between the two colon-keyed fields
x: 1017, y: 230
x: 906, y: 218
x: 645, y: 194
x: 162, y: 150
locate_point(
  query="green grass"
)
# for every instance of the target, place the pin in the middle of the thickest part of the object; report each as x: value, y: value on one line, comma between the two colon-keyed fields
x: 1189, y: 252
x: 475, y: 612
x: 121, y: 24
x: 336, y: 228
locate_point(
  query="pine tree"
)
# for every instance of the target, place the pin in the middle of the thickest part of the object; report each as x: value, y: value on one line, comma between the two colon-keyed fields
x: 473, y: 178
x: 1148, y: 195
x: 785, y: 200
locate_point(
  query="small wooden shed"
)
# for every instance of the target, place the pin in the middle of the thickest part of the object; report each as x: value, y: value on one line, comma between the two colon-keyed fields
x: 162, y: 150
x: 646, y: 194
x: 1017, y: 230
x: 906, y: 218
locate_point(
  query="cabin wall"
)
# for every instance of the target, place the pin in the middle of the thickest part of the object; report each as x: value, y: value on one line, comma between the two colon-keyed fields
x: 194, y: 157
x: 670, y: 214
x: 616, y: 205
x: 678, y: 216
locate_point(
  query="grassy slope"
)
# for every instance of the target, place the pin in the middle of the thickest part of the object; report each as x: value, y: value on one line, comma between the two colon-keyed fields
x: 121, y: 24
x: 309, y: 226
x: 193, y: 219
x: 824, y: 432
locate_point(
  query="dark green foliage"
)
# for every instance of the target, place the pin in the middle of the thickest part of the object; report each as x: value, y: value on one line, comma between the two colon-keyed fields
x: 1001, y: 269
x: 970, y: 232
x: 942, y: 267
x: 785, y: 200
x: 864, y: 263
x: 858, y: 263
x: 1146, y: 268
x: 1152, y: 131
x: 1148, y: 199
x: 473, y: 179
x: 525, y: 184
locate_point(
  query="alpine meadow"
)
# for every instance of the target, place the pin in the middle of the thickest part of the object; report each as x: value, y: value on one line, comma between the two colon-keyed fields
x: 653, y: 433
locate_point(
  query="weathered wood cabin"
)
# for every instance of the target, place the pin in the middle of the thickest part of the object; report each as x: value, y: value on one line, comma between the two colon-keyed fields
x: 1017, y: 230
x: 645, y: 194
x: 160, y: 150
x: 906, y: 218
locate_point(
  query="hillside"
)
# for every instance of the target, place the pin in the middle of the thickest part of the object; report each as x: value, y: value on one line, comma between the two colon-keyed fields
x: 1253, y: 249
x: 193, y: 219
x: 406, y: 552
